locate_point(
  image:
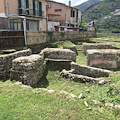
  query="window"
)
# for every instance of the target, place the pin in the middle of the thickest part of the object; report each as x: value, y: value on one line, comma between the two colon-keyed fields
x: 32, y: 25
x: 23, y: 7
x: 72, y: 13
x: 37, y: 8
x: 16, y: 24
x: 58, y: 10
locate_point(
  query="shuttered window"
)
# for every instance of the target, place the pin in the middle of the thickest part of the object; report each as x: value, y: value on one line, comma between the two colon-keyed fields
x: 77, y: 16
x: 40, y: 8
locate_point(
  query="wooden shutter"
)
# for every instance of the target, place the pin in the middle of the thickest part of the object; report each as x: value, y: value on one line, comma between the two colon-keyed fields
x: 27, y: 7
x: 20, y: 10
x: 33, y: 7
x: 77, y: 16
x: 40, y: 8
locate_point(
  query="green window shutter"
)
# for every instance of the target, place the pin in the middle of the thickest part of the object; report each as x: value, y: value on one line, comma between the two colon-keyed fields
x: 20, y: 10
x: 40, y: 8
x: 33, y: 7
x: 19, y: 3
x: 77, y: 16
x: 27, y: 7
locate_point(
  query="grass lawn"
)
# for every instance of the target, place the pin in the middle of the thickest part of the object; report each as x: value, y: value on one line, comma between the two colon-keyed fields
x: 19, y: 103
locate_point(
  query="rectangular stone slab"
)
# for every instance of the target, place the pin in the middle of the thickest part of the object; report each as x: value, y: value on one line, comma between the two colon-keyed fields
x: 89, y: 71
x: 103, y: 58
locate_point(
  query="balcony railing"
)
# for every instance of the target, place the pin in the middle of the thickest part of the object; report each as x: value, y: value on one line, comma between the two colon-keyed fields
x: 29, y: 12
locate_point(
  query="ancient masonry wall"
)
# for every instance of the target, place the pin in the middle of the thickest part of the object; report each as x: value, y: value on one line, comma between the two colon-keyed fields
x: 89, y: 46
x: 58, y: 53
x: 28, y: 70
x: 104, y: 58
x: 6, y: 61
x: 89, y: 71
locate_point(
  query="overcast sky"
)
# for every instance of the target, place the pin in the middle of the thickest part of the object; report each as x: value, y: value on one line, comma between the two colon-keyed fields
x: 74, y: 2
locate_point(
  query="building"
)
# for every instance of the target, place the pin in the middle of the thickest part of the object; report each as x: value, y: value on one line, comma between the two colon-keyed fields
x: 59, y: 14
x: 27, y: 15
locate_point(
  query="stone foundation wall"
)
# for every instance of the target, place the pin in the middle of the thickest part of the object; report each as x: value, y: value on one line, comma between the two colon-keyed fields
x: 27, y: 70
x: 77, y: 78
x: 6, y: 61
x: 58, y: 53
x: 89, y: 71
x: 43, y: 37
x: 104, y: 58
x: 89, y: 46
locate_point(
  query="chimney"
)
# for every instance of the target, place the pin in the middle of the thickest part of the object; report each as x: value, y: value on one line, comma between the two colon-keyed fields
x: 69, y: 2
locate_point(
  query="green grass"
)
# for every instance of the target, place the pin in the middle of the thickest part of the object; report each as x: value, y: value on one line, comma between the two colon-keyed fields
x: 21, y: 103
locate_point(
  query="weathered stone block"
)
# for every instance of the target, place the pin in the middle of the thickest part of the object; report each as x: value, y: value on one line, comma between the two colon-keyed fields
x: 89, y: 71
x: 78, y: 78
x: 89, y: 46
x: 27, y: 70
x: 104, y: 58
x: 6, y: 61
x: 58, y: 53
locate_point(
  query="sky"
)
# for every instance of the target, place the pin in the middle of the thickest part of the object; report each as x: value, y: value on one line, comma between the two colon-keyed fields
x: 73, y: 2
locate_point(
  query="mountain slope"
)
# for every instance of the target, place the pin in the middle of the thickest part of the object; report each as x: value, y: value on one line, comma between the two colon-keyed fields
x: 104, y: 8
x: 104, y: 13
x: 87, y: 4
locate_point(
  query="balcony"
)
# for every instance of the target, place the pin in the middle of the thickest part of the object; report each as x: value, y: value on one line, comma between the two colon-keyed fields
x: 29, y: 12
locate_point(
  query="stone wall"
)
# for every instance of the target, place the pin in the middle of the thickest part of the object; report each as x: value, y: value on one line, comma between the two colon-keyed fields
x: 77, y: 78
x: 89, y: 71
x: 58, y: 53
x: 6, y: 61
x: 11, y: 39
x: 104, y: 58
x: 27, y: 70
x: 4, y: 23
x: 43, y: 37
x: 89, y: 46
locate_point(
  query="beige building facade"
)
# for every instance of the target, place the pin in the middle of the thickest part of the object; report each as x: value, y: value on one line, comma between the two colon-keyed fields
x: 65, y: 14
x: 27, y: 15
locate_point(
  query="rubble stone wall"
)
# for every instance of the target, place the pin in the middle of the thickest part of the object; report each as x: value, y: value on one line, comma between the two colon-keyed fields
x: 6, y: 61
x: 77, y: 78
x: 89, y: 46
x: 27, y: 70
x: 58, y: 53
x: 104, y: 58
x: 89, y: 71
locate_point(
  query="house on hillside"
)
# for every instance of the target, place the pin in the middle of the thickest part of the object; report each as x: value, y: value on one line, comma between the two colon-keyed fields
x: 61, y: 17
x: 23, y: 15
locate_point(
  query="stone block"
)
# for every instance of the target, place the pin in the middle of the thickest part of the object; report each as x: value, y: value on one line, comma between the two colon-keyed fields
x: 89, y: 71
x: 103, y: 58
x: 6, y: 61
x: 77, y: 78
x: 89, y: 46
x: 58, y: 53
x: 28, y: 69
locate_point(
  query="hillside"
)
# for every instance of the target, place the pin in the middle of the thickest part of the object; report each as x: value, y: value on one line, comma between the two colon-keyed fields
x: 87, y: 4
x: 104, y: 13
x: 100, y: 10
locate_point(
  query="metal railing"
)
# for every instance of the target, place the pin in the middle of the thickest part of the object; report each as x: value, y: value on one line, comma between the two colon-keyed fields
x: 29, y: 12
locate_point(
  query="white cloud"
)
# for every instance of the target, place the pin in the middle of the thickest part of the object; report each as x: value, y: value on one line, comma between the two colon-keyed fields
x: 79, y: 2
x: 74, y: 2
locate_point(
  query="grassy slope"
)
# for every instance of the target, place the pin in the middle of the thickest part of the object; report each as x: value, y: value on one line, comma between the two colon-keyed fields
x: 17, y: 102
